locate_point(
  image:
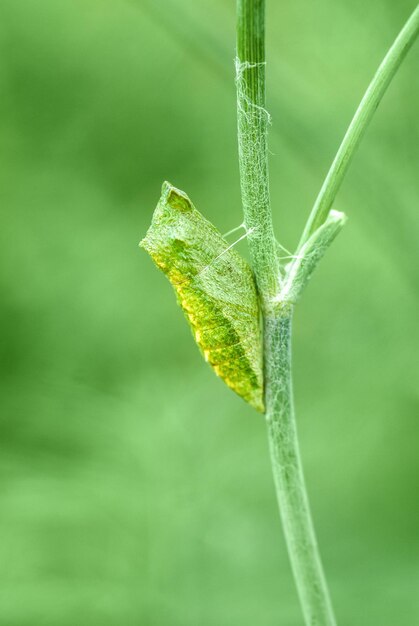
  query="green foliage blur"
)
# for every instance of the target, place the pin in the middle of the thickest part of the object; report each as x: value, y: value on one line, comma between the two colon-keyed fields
x: 135, y: 487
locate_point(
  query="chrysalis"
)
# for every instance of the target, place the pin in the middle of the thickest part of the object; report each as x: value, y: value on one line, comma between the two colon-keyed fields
x: 215, y: 288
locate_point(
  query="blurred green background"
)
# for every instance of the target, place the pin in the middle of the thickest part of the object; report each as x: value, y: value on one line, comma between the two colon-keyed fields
x: 135, y: 488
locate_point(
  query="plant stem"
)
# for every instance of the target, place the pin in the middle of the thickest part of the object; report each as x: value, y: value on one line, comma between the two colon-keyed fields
x: 283, y: 443
x: 288, y: 474
x: 359, y: 123
x: 253, y: 148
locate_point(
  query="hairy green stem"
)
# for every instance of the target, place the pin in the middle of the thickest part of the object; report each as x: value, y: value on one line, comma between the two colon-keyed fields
x: 360, y: 121
x: 288, y: 474
x: 286, y: 464
x: 253, y: 119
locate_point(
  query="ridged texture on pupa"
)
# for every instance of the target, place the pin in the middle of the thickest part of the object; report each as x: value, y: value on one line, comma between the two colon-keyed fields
x: 215, y: 288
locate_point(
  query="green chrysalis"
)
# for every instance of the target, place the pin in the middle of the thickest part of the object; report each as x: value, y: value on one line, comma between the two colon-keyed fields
x: 215, y: 288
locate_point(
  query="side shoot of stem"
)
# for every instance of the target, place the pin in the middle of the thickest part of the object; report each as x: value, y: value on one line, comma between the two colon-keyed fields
x: 359, y: 124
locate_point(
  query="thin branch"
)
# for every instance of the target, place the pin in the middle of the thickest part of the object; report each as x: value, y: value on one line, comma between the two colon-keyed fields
x: 360, y: 121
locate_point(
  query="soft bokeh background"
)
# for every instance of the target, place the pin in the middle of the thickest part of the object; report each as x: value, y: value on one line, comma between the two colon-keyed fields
x: 135, y: 488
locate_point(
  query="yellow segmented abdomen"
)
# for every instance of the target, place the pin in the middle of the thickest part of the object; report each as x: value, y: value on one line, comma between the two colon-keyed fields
x: 220, y: 344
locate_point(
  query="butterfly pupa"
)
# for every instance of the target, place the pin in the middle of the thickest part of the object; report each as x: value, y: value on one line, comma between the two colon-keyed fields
x: 215, y: 288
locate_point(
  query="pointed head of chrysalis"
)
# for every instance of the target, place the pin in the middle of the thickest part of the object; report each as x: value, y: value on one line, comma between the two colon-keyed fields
x: 172, y: 239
